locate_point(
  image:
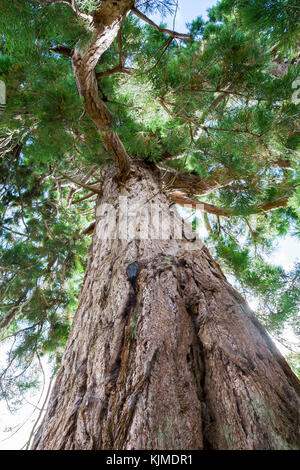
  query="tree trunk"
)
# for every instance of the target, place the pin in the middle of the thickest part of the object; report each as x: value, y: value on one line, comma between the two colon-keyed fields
x: 163, y: 352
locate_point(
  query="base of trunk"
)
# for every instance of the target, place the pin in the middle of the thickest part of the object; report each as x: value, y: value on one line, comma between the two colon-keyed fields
x: 163, y: 352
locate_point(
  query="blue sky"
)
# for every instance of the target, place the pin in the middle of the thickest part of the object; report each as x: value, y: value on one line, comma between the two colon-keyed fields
x: 187, y: 11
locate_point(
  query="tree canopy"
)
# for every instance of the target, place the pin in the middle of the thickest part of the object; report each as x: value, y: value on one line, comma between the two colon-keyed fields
x: 212, y: 109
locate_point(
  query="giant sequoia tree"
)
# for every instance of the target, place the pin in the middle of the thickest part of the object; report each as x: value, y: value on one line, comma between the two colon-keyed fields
x: 106, y: 108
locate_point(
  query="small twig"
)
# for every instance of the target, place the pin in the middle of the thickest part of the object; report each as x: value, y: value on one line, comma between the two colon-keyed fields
x: 89, y: 229
x: 63, y: 50
x: 27, y: 444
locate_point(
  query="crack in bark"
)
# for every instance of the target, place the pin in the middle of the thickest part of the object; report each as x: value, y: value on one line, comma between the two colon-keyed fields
x: 198, y: 369
x: 118, y: 369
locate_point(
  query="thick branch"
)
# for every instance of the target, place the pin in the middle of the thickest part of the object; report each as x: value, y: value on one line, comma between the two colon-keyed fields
x: 195, y: 89
x: 116, y: 69
x: 63, y: 50
x: 9, y: 317
x: 191, y: 201
x: 108, y: 19
x: 83, y: 198
x: 267, y: 206
x: 89, y: 230
x: 282, y: 163
x: 194, y: 184
x: 83, y: 181
x: 174, y: 34
x: 53, y: 2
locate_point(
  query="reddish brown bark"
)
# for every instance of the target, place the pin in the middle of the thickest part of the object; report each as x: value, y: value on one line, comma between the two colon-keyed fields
x: 172, y: 358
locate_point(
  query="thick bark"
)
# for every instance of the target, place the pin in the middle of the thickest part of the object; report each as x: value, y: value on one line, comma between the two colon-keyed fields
x: 164, y: 353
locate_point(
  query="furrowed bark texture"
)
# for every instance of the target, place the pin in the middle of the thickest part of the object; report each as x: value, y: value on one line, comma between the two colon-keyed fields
x: 164, y: 353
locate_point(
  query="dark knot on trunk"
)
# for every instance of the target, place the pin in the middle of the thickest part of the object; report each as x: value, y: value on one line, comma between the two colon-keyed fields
x: 132, y: 272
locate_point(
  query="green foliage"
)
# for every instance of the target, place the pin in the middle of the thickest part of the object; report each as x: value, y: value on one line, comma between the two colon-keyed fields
x: 219, y: 102
x: 153, y: 6
x: 294, y: 361
x: 241, y: 248
x: 277, y: 20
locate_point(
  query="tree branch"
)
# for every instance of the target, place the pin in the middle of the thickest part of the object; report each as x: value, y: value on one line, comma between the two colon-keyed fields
x: 116, y: 69
x: 63, y: 50
x: 120, y: 48
x: 190, y: 200
x: 82, y: 185
x: 89, y: 230
x: 282, y: 163
x: 174, y: 34
x: 267, y: 206
x: 107, y: 21
x: 83, y: 198
x: 194, y: 184
x: 9, y: 317
x: 84, y: 180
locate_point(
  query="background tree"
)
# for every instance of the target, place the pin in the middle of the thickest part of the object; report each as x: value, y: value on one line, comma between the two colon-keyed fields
x: 102, y: 102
